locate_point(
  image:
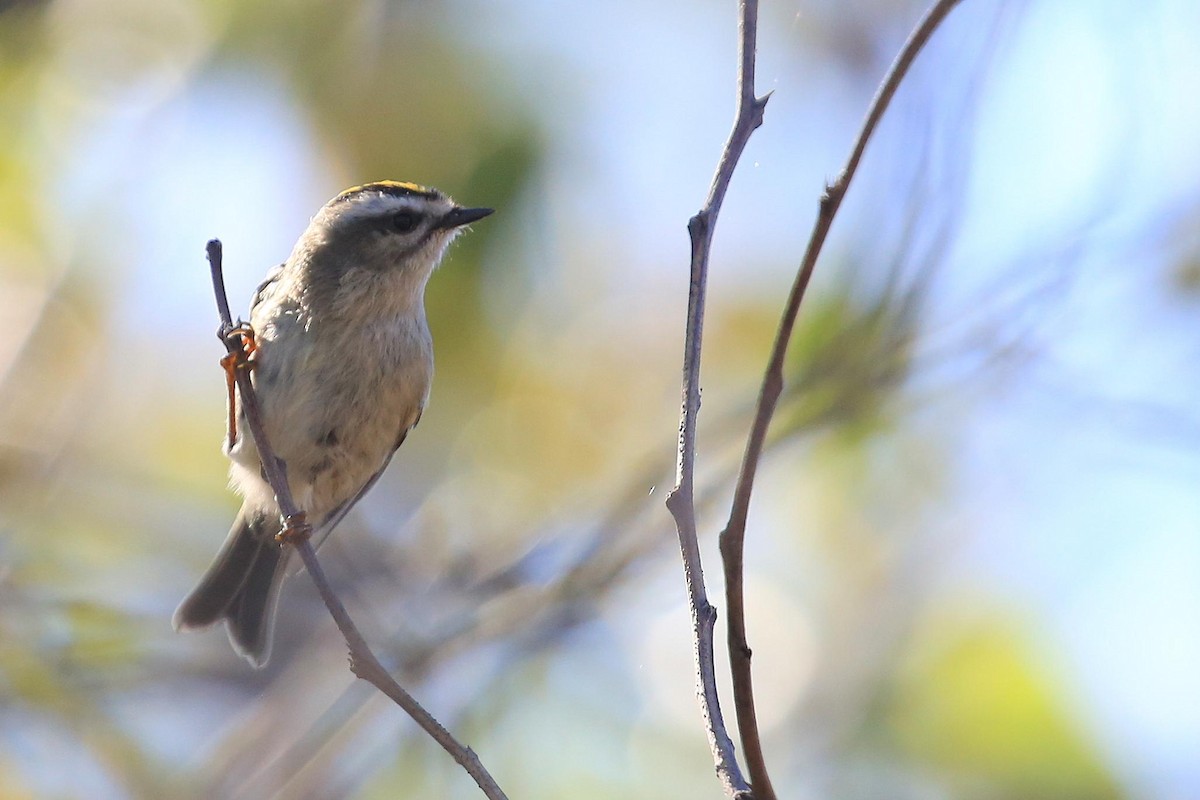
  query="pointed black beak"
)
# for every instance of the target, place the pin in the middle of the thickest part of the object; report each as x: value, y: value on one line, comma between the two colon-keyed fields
x: 456, y: 218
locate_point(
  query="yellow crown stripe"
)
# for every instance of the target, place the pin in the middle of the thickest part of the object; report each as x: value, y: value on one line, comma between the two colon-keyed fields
x: 397, y: 187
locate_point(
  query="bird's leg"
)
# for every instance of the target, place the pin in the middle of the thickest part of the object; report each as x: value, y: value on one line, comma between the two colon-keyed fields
x: 232, y: 362
x: 295, y: 529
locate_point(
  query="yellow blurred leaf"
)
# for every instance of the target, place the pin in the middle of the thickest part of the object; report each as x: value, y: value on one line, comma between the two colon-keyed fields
x: 975, y: 704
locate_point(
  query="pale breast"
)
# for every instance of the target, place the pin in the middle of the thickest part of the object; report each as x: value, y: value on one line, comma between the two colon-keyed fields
x: 337, y: 399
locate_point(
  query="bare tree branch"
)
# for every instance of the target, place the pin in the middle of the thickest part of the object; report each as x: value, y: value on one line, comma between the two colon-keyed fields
x: 296, y: 530
x: 681, y: 500
x: 733, y: 537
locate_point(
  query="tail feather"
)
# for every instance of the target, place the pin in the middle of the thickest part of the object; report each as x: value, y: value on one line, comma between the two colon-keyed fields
x: 241, y: 587
x: 250, y: 618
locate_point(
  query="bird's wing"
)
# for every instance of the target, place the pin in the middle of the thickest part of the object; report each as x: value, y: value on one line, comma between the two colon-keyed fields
x: 266, y: 287
x: 339, y: 513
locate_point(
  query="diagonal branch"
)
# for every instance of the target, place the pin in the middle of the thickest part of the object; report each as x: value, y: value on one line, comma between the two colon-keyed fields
x: 681, y: 501
x: 733, y: 537
x: 363, y: 662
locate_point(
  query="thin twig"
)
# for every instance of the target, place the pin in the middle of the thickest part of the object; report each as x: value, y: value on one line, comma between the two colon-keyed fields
x: 733, y: 537
x: 681, y: 501
x: 363, y: 662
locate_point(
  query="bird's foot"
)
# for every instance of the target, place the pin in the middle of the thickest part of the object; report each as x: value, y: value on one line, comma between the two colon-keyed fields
x: 295, y: 530
x: 231, y: 363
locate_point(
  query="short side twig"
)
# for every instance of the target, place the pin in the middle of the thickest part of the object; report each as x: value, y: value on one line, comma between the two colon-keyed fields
x: 733, y: 537
x: 681, y: 501
x: 363, y: 662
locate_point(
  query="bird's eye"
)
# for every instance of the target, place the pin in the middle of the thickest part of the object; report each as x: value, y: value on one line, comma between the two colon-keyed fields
x: 405, y: 221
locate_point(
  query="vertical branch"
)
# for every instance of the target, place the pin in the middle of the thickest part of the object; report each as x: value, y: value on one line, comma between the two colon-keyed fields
x: 363, y: 662
x: 680, y: 502
x: 733, y: 537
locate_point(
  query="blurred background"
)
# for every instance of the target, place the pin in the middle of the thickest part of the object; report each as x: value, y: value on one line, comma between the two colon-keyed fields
x: 973, y: 559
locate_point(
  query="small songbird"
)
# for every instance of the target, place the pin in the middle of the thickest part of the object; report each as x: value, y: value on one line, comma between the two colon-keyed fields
x: 342, y: 365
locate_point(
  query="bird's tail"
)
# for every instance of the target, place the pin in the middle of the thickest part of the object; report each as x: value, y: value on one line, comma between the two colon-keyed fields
x: 241, y: 587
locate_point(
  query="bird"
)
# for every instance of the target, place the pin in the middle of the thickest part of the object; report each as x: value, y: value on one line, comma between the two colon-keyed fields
x: 342, y: 362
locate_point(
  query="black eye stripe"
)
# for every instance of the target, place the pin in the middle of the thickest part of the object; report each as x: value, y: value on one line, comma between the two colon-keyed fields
x: 405, y: 221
